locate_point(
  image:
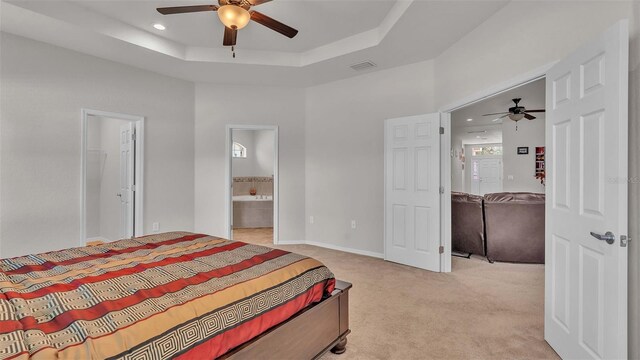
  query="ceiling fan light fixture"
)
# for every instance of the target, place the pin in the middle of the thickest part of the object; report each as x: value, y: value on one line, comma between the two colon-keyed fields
x: 233, y: 16
x: 516, y: 117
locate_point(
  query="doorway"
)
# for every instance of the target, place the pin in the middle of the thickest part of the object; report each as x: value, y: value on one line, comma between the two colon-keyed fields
x: 586, y: 218
x: 112, y: 166
x: 252, y: 183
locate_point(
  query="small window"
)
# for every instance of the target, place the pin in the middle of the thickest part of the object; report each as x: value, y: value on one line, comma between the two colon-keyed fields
x: 486, y: 150
x: 239, y: 151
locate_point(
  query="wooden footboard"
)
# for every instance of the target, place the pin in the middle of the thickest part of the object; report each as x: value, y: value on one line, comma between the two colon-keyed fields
x: 307, y: 335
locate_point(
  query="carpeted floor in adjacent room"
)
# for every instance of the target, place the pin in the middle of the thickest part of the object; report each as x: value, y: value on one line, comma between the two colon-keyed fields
x: 478, y: 311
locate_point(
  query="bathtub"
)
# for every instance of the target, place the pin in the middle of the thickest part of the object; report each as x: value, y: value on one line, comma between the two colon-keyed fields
x: 253, y: 198
x: 252, y: 211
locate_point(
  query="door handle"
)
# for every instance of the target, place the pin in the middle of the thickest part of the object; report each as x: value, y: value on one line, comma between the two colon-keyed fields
x: 608, y: 237
x: 119, y: 195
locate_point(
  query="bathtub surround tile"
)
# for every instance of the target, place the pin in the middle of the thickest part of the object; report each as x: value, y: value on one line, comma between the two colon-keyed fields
x: 243, y: 184
x: 252, y: 213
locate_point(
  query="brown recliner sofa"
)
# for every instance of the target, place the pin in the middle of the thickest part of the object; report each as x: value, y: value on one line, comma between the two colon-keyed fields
x: 467, y: 224
x: 515, y: 227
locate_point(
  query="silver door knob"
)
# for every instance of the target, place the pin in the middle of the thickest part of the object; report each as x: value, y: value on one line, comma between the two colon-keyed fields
x: 608, y: 237
x: 119, y: 195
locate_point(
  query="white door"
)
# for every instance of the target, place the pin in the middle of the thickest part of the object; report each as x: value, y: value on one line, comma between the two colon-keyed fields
x: 490, y: 176
x: 586, y: 278
x: 127, y: 176
x: 487, y: 176
x: 412, y: 191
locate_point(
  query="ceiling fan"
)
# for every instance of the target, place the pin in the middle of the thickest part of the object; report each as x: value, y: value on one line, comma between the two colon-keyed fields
x: 517, y: 112
x: 234, y: 14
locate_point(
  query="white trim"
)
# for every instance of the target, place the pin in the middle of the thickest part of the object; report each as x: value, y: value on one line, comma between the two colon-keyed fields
x: 445, y: 198
x: 346, y: 249
x: 139, y: 155
x: 504, y: 86
x: 292, y: 242
x: 229, y: 180
x: 445, y: 153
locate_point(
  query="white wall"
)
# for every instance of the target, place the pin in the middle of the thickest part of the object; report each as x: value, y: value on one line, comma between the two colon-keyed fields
x: 219, y: 105
x: 263, y: 142
x: 344, y: 148
x: 95, y: 167
x: 499, y: 50
x: 634, y: 187
x: 244, y: 166
x: 43, y: 89
x: 259, y: 160
x: 522, y: 167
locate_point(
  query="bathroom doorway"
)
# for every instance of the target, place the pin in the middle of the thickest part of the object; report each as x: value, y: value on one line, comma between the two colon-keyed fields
x: 252, y: 183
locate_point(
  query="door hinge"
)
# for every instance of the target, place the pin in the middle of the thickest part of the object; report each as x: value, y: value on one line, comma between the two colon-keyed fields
x: 441, y: 190
x: 441, y: 249
x: 624, y: 240
x: 441, y: 130
x: 133, y: 136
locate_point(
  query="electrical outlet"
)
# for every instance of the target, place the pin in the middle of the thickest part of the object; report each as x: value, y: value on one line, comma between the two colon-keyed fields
x: 510, y: 177
x: 155, y: 226
x: 353, y: 224
x: 311, y: 219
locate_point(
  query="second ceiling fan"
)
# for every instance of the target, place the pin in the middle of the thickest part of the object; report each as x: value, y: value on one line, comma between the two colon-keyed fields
x: 517, y: 112
x: 234, y: 14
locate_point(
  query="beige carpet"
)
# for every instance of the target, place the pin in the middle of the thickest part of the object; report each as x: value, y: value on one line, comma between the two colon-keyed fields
x: 478, y: 311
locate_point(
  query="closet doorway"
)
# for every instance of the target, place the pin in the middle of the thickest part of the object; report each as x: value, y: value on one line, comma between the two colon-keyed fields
x: 112, y: 187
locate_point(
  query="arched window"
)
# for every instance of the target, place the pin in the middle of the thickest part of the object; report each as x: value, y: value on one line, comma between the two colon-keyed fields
x: 239, y: 151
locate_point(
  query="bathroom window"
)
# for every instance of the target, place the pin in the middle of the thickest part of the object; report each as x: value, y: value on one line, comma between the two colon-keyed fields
x: 239, y: 151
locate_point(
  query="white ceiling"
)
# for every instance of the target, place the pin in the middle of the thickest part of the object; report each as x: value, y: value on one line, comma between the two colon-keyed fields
x: 320, y: 22
x: 333, y: 35
x: 488, y: 129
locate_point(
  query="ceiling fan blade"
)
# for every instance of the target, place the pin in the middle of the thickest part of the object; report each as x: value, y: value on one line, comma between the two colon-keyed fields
x: 539, y: 110
x: 186, y: 9
x: 274, y: 25
x: 501, y: 113
x: 230, y: 36
x: 529, y: 117
x: 257, y: 2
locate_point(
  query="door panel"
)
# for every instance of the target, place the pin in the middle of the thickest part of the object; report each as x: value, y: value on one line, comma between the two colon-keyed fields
x: 127, y: 176
x: 586, y: 277
x: 412, y: 191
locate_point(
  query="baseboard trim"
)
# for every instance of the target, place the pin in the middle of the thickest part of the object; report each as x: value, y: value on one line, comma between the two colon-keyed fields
x: 346, y: 249
x: 291, y: 242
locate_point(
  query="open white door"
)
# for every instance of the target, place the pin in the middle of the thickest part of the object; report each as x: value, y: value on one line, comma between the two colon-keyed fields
x: 586, y: 277
x: 127, y: 176
x: 412, y: 191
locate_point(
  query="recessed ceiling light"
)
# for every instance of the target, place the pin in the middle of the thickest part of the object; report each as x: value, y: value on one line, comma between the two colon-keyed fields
x: 469, y: 119
x: 159, y: 26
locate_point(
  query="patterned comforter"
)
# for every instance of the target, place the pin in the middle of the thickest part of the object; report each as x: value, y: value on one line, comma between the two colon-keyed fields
x: 172, y: 295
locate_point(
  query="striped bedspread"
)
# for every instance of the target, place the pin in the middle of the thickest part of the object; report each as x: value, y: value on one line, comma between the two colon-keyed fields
x: 172, y: 295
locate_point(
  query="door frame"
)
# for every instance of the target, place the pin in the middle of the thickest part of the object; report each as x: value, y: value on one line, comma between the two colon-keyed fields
x: 139, y: 168
x: 445, y: 154
x: 229, y: 178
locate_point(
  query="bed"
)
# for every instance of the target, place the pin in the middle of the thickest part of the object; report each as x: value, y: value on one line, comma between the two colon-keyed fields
x: 172, y: 295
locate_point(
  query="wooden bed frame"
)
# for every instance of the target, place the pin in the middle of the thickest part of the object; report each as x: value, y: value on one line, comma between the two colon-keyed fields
x: 307, y: 335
